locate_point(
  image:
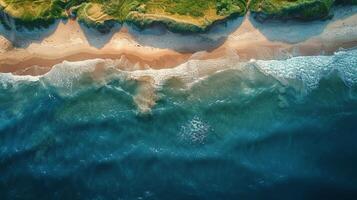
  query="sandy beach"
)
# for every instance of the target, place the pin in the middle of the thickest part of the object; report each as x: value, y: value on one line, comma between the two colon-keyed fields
x: 248, y: 38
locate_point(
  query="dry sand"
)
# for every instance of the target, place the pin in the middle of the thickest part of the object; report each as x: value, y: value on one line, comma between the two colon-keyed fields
x: 251, y: 40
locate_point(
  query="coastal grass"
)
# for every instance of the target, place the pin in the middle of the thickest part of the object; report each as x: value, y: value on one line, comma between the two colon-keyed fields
x: 180, y: 15
x: 198, y: 13
x: 303, y: 9
x: 29, y: 10
x: 176, y: 14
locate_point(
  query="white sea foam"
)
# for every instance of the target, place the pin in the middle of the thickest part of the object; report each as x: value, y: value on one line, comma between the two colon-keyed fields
x: 308, y: 70
x: 194, y: 131
x: 66, y: 73
x: 190, y: 71
x: 7, y: 79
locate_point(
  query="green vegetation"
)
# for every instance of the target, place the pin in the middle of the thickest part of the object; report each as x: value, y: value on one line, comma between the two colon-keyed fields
x: 178, y: 15
x: 29, y: 10
x: 31, y: 13
x: 301, y: 9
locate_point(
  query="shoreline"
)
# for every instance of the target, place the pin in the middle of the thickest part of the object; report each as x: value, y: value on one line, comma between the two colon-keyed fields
x: 249, y: 40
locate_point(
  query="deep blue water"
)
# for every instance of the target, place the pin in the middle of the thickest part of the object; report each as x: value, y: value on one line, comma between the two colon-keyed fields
x: 270, y: 130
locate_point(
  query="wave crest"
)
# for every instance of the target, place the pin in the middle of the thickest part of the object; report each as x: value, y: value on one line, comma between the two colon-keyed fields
x: 72, y: 77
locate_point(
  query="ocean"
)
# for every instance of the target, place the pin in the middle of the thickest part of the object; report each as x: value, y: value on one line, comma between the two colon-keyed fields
x: 217, y: 129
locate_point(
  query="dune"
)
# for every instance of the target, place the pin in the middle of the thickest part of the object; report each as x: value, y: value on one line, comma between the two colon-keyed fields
x: 250, y: 40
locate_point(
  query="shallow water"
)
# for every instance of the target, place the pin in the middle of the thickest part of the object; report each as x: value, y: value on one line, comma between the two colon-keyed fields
x: 216, y: 130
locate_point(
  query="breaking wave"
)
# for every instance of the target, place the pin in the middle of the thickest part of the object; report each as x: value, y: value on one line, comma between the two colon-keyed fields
x: 207, y: 129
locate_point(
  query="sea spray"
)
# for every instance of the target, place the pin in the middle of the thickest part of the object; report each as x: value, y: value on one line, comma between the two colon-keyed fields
x: 213, y: 129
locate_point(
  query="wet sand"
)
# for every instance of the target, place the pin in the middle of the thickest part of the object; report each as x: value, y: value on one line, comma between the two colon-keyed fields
x: 250, y: 40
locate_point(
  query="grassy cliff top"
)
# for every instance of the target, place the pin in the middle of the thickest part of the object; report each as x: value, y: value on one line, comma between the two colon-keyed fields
x: 303, y: 9
x: 28, y: 10
x: 200, y: 13
x: 180, y: 15
x: 193, y: 15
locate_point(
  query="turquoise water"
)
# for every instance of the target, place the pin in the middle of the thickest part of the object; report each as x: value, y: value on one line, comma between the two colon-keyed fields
x: 257, y: 130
